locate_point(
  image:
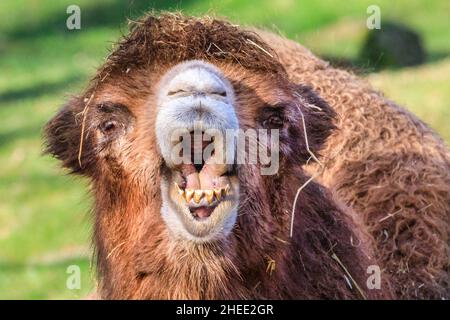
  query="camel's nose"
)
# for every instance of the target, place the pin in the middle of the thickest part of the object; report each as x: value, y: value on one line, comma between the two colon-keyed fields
x: 195, y: 79
x: 194, y: 96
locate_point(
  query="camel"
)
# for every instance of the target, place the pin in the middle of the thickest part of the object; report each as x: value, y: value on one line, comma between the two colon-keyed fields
x: 165, y: 229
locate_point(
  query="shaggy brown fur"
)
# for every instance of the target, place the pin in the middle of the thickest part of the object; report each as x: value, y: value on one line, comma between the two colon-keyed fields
x: 389, y: 167
x: 136, y: 257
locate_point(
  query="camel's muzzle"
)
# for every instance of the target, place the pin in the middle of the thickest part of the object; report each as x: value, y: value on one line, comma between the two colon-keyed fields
x: 195, y: 117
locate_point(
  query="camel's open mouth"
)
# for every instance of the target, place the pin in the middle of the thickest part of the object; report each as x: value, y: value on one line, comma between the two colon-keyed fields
x: 202, y: 203
x: 202, y: 192
x: 203, y: 183
x: 199, y: 184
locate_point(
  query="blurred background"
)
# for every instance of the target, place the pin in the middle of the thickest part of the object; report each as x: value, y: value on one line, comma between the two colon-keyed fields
x: 44, y: 213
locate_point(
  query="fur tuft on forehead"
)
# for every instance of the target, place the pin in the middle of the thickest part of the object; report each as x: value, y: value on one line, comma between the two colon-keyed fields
x: 173, y: 38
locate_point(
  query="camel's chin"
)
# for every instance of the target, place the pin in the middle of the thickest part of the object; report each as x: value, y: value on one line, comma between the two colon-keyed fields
x: 205, y: 219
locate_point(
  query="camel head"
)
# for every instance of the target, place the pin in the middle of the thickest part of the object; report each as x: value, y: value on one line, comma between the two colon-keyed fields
x: 188, y: 132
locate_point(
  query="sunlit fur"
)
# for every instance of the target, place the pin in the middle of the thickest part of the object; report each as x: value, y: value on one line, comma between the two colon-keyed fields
x: 137, y: 256
x: 383, y: 160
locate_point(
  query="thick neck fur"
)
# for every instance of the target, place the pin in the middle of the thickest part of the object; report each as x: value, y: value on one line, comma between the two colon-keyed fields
x: 138, y: 258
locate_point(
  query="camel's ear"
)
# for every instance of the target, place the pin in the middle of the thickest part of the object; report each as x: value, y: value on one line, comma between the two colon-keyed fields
x: 63, y: 135
x: 314, y: 114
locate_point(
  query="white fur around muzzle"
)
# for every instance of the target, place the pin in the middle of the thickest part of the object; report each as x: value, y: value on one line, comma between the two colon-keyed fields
x: 192, y: 96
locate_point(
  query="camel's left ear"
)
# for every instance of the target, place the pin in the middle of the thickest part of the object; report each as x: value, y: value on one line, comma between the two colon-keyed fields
x: 313, y: 116
x: 62, y: 135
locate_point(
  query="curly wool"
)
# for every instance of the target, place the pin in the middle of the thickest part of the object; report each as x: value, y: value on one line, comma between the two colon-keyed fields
x: 156, y: 40
x: 386, y: 164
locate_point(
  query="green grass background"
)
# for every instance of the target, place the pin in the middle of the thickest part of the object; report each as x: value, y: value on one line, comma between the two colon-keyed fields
x: 44, y: 213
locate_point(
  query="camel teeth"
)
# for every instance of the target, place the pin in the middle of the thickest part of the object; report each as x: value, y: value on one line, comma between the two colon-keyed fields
x: 179, y: 190
x: 209, y: 195
x: 198, y: 195
x: 227, y: 189
x: 218, y: 194
x: 189, y: 194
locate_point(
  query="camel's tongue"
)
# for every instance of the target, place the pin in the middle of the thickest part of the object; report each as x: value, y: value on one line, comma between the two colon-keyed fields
x: 193, y: 181
x: 191, y: 175
x: 207, y: 174
x: 203, y: 212
x: 209, y: 177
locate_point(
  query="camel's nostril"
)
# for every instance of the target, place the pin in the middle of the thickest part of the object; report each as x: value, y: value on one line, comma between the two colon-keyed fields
x: 220, y: 93
x: 174, y: 92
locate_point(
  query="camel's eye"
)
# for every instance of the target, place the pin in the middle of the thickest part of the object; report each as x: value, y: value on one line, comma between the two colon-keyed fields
x: 113, y: 119
x: 272, y: 117
x: 108, y: 126
x: 273, y: 122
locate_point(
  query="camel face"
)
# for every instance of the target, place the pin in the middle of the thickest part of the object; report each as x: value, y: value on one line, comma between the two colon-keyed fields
x: 182, y: 210
x: 199, y: 187
x: 142, y: 131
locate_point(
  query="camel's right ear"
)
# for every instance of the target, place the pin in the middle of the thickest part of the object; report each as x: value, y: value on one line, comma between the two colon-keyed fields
x: 63, y: 135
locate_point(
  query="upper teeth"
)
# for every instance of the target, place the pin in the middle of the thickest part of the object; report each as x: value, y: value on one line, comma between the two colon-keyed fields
x: 198, y: 194
x: 209, y: 195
